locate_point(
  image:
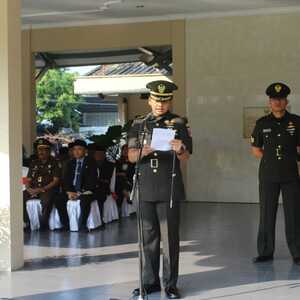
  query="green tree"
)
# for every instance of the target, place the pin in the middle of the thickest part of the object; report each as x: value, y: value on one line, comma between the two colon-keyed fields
x: 56, y: 101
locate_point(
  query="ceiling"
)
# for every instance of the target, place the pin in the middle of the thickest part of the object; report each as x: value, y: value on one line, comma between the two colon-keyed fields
x: 44, y: 13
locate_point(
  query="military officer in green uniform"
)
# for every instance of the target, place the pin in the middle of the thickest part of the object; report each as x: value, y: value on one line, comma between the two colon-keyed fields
x: 43, y: 180
x: 274, y: 141
x: 160, y: 221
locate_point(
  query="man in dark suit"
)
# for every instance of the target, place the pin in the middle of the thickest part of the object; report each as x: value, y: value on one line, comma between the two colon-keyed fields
x: 80, y: 180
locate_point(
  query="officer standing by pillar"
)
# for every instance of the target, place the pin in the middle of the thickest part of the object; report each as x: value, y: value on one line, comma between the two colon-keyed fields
x: 274, y: 141
x: 160, y: 221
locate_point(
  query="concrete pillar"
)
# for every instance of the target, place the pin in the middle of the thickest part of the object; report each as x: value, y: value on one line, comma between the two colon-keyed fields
x: 28, y: 92
x: 11, y: 220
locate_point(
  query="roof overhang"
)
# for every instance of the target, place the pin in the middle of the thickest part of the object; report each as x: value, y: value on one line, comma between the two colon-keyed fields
x: 111, y: 85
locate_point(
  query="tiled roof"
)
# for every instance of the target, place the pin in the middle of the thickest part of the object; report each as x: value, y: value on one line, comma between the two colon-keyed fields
x: 136, y: 68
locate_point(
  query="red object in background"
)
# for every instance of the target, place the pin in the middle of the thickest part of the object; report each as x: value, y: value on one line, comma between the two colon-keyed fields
x: 114, y: 195
x: 24, y: 180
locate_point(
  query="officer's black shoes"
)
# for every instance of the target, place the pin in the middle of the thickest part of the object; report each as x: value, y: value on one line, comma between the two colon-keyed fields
x: 149, y: 289
x: 172, y: 293
x: 296, y: 261
x: 261, y: 259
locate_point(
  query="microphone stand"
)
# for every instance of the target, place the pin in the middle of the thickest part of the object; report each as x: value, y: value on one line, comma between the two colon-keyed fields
x: 136, y: 195
x: 173, y: 177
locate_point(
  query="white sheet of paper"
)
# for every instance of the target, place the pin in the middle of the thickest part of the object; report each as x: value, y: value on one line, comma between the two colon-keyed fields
x: 161, y: 138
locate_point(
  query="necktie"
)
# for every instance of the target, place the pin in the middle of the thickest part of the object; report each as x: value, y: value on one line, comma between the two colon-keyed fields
x: 78, y: 177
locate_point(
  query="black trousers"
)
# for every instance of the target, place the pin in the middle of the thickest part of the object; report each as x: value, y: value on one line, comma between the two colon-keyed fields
x: 101, y: 194
x: 268, y: 197
x: 85, y: 205
x: 61, y: 205
x: 160, y: 222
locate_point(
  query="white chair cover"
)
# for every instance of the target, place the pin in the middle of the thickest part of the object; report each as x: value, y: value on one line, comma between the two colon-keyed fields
x: 34, y: 210
x: 125, y: 208
x: 74, y: 210
x: 94, y: 219
x: 54, y: 220
x: 132, y: 208
x: 110, y: 208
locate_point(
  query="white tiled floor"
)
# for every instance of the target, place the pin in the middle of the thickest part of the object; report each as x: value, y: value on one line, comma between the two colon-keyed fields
x: 218, y: 242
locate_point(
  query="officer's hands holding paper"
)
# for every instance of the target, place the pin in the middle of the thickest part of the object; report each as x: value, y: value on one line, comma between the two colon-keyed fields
x: 163, y: 139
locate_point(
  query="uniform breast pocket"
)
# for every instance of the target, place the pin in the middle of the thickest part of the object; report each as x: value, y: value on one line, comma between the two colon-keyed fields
x: 267, y: 136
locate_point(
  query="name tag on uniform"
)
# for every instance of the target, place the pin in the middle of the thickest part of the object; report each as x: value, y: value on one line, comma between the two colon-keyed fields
x: 267, y: 130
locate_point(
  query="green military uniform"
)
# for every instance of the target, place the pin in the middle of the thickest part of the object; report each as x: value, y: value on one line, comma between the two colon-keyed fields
x: 160, y: 222
x: 40, y: 175
x: 278, y: 171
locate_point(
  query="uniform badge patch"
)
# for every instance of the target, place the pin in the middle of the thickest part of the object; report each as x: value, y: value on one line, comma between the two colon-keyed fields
x: 291, y: 125
x: 161, y: 88
x: 266, y: 130
x: 278, y: 88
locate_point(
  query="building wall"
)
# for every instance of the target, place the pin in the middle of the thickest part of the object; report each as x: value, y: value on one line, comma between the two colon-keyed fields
x: 229, y: 62
x: 103, y: 37
x: 221, y: 66
x: 136, y: 106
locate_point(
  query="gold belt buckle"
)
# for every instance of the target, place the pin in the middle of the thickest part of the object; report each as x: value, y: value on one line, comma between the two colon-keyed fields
x: 154, y: 163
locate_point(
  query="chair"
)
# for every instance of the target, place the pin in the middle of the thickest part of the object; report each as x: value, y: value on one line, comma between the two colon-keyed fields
x: 110, y: 208
x: 34, y: 210
x: 127, y: 208
x: 54, y: 220
x: 74, y: 211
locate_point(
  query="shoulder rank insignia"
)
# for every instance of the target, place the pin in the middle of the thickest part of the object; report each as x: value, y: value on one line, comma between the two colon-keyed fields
x: 169, y: 123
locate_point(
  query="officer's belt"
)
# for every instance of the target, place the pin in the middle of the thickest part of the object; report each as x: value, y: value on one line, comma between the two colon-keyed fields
x: 153, y: 163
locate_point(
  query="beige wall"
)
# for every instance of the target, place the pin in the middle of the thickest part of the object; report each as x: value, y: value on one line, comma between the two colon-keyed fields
x: 104, y: 37
x: 136, y: 106
x: 229, y: 62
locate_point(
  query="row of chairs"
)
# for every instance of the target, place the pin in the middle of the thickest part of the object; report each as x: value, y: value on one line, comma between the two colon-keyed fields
x: 110, y: 214
x: 110, y: 211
